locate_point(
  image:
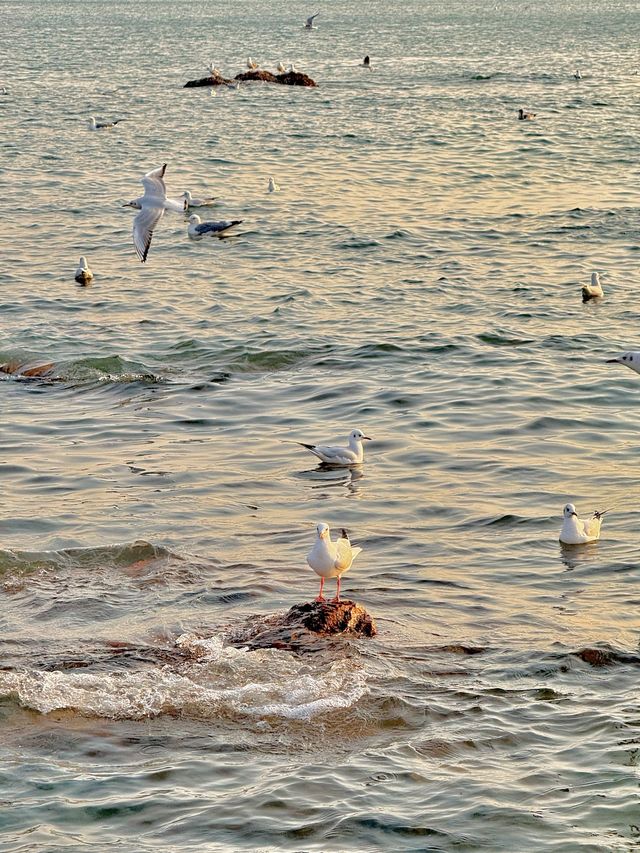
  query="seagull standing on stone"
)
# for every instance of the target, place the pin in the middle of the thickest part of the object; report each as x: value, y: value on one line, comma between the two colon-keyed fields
x: 102, y: 125
x: 629, y: 359
x: 152, y: 206
x: 331, y: 559
x: 343, y: 456
x: 251, y: 65
x: 83, y: 273
x: 281, y: 68
x: 593, y: 290
x: 309, y: 23
x: 198, y: 228
x: 574, y: 531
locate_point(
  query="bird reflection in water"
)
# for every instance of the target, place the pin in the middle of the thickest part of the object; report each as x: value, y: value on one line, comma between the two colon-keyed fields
x: 330, y: 476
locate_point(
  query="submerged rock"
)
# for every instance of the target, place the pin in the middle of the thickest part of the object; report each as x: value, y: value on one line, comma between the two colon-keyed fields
x: 18, y: 368
x: 211, y: 80
x: 303, y: 625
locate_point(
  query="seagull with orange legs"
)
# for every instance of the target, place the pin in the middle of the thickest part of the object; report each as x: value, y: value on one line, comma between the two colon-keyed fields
x: 331, y: 559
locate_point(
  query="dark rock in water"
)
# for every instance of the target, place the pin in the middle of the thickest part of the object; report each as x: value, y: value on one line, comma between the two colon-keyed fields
x: 17, y: 368
x: 212, y: 80
x: 266, y: 76
x: 304, y: 626
x: 295, y: 78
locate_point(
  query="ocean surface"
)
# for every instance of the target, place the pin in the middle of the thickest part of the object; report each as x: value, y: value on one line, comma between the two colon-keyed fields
x: 418, y: 276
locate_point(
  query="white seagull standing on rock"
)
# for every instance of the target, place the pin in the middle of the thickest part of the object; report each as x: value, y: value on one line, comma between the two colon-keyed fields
x: 83, y: 273
x: 629, y: 359
x: 251, y: 65
x: 152, y: 206
x: 344, y: 456
x: 281, y: 68
x: 197, y: 202
x: 331, y: 559
x: 574, y: 531
x: 198, y: 228
x: 593, y: 290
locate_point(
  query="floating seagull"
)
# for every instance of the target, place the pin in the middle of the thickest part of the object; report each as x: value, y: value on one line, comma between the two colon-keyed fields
x: 105, y: 125
x: 197, y: 202
x: 251, y: 65
x: 197, y: 228
x: 4, y: 90
x: 366, y: 62
x: 593, y: 290
x: 352, y: 455
x: 331, y: 559
x: 152, y: 206
x: 309, y: 24
x: 574, y: 531
x: 577, y: 74
x: 629, y: 359
x: 83, y: 273
x: 523, y: 116
x: 273, y: 187
x: 281, y: 68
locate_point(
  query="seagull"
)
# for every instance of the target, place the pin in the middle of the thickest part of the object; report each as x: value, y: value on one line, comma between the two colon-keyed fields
x: 83, y: 273
x: 104, y: 125
x: 351, y: 455
x: 577, y: 74
x: 593, y: 290
x: 273, y: 187
x: 197, y: 228
x: 366, y: 62
x: 197, y: 202
x: 211, y: 68
x: 4, y: 90
x: 629, y: 359
x: 331, y: 559
x: 251, y: 65
x: 152, y: 206
x: 309, y: 24
x: 281, y: 68
x: 574, y: 531
x: 523, y: 116
x: 292, y: 69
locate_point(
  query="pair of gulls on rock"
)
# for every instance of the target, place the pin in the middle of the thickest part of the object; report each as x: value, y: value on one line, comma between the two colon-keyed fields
x: 152, y: 206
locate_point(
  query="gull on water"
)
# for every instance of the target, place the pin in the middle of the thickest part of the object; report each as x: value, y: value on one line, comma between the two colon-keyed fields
x: 83, y: 273
x: 273, y: 187
x: 309, y: 23
x: 331, y: 559
x: 629, y: 359
x: 366, y: 62
x: 577, y: 74
x: 281, y: 67
x: 525, y: 116
x: 102, y: 125
x: 593, y: 290
x: 251, y: 65
x: 344, y: 456
x: 152, y: 206
x: 574, y: 531
x: 198, y: 228
x: 197, y: 202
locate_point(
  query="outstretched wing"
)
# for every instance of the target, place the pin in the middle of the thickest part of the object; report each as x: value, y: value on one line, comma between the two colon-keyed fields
x: 143, y: 226
x: 153, y: 183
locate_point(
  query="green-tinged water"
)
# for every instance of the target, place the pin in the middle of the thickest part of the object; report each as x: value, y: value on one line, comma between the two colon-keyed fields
x: 418, y: 276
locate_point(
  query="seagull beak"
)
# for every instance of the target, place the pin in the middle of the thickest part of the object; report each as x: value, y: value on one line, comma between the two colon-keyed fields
x: 575, y: 513
x: 366, y: 438
x: 612, y: 361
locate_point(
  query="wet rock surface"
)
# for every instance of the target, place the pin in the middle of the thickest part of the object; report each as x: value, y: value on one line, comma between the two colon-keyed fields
x: 211, y: 80
x: 295, y: 78
x: 258, y: 74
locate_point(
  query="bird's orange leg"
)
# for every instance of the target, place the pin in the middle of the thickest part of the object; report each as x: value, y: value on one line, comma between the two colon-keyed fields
x: 320, y: 595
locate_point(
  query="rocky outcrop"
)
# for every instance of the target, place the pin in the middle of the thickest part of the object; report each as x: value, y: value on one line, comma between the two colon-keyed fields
x: 258, y: 74
x: 17, y: 368
x: 212, y: 80
x: 295, y: 78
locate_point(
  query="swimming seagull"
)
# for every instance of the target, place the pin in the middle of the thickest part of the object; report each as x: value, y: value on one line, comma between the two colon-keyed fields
x: 281, y: 68
x: 309, y: 23
x: 593, y: 290
x: 251, y: 65
x: 629, y: 359
x: 197, y: 228
x: 344, y: 456
x: 273, y: 187
x: 577, y: 74
x: 197, y: 202
x: 331, y: 559
x: 366, y: 62
x: 574, y: 531
x: 152, y: 206
x: 105, y: 125
x: 83, y: 273
x: 523, y: 116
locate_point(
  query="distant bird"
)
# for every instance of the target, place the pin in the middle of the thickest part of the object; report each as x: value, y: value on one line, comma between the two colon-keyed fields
x: 281, y: 68
x: 574, y: 531
x: 524, y: 116
x: 593, y: 290
x: 104, y: 125
x: 577, y: 74
x: 251, y: 65
x: 331, y: 559
x: 292, y: 69
x: 309, y: 23
x: 366, y: 62
x: 343, y: 456
x: 273, y: 187
x: 197, y: 202
x: 211, y: 68
x: 629, y: 359
x: 4, y: 90
x: 83, y: 273
x: 197, y: 228
x: 152, y: 206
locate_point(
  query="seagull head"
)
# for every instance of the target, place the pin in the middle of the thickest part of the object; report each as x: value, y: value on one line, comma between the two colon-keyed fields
x: 134, y: 203
x: 194, y: 219
x: 569, y: 510
x: 322, y: 530
x: 629, y: 359
x: 186, y: 195
x: 83, y: 261
x: 358, y: 435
